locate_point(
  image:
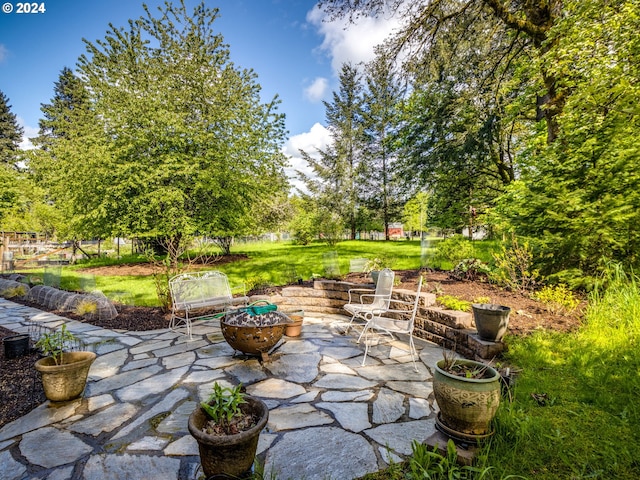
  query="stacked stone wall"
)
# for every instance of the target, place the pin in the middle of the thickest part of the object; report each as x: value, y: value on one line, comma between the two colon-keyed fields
x: 451, y: 329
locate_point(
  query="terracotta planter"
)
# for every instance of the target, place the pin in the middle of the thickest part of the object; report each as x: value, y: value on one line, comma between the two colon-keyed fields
x: 230, y: 455
x: 467, y: 405
x: 491, y: 320
x: 295, y: 328
x: 65, y: 381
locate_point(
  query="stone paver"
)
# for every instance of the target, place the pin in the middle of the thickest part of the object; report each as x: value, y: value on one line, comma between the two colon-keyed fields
x: 330, y: 417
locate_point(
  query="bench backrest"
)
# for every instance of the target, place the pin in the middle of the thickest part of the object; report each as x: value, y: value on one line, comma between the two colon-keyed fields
x: 199, y: 288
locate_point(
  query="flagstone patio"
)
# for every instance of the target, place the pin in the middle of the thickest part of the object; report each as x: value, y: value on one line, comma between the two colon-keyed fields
x: 330, y: 417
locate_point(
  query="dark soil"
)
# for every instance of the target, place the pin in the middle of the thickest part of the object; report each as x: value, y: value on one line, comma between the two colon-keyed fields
x: 20, y: 388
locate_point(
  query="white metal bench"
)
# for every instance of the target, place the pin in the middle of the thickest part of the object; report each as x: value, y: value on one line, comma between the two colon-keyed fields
x: 198, y: 290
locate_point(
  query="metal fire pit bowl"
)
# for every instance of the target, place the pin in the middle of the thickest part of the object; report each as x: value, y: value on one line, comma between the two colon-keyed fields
x: 253, y: 335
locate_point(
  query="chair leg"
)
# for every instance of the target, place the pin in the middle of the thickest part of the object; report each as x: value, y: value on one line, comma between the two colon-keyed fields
x: 414, y: 353
x: 366, y: 343
x: 188, y: 323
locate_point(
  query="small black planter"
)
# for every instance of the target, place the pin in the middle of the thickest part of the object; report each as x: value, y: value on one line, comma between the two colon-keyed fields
x: 16, y: 345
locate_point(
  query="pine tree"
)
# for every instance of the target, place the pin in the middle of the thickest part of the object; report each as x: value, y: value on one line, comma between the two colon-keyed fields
x: 338, y: 171
x: 68, y: 105
x: 380, y: 106
x: 10, y: 134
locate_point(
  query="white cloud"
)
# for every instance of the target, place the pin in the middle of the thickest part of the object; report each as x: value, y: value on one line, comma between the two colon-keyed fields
x: 351, y: 42
x: 311, y: 142
x: 317, y: 90
x: 29, y: 132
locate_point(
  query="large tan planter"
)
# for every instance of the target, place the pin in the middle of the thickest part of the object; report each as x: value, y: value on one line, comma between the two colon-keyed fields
x: 467, y: 405
x: 65, y: 381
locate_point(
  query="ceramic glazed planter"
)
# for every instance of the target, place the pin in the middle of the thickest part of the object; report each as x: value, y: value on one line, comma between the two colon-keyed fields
x: 491, y: 320
x: 467, y: 405
x: 65, y: 381
x: 229, y: 455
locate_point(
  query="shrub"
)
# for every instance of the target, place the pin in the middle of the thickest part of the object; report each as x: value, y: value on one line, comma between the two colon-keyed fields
x: 470, y: 269
x: 453, y: 250
x: 514, y: 267
x: 13, y: 292
x: 86, y: 307
x: 558, y: 299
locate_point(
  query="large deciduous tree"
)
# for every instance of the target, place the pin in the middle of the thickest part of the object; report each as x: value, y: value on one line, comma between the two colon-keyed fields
x: 558, y: 84
x: 580, y: 196
x: 178, y: 141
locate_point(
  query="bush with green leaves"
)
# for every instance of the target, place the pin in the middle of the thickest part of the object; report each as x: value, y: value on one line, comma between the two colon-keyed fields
x: 558, y: 299
x: 514, y: 266
x: 471, y: 269
x: 452, y: 251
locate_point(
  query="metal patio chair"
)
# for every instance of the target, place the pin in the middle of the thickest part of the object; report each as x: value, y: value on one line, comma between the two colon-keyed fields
x: 364, y: 303
x: 393, y: 321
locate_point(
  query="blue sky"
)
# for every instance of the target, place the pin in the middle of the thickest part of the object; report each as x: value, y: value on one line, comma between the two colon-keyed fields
x: 288, y: 43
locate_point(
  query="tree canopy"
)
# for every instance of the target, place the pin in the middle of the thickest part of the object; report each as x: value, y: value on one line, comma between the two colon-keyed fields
x: 528, y: 106
x: 176, y: 141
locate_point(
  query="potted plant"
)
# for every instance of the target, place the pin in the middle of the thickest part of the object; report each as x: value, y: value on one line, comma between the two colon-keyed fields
x: 227, y: 427
x: 491, y: 320
x: 373, y: 267
x: 468, y: 396
x: 64, y: 374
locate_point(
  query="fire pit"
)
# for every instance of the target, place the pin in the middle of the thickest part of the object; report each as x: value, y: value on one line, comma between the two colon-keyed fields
x: 253, y: 334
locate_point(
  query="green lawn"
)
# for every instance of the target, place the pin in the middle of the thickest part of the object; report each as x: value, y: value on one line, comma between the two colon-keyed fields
x: 275, y: 263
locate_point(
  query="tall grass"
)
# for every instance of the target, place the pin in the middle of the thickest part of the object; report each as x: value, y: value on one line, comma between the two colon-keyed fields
x: 586, y: 418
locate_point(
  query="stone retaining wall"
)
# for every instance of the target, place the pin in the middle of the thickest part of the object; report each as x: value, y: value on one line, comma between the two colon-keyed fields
x: 452, y: 329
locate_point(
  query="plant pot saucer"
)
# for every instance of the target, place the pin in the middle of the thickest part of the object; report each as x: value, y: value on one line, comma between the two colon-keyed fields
x: 460, y: 437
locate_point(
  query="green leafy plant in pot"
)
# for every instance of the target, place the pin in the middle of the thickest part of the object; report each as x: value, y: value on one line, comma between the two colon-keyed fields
x: 468, y: 396
x: 63, y: 373
x: 227, y: 427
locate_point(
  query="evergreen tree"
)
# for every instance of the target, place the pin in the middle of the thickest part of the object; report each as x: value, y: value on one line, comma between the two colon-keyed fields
x: 338, y: 171
x: 10, y: 134
x: 382, y: 97
x: 66, y: 110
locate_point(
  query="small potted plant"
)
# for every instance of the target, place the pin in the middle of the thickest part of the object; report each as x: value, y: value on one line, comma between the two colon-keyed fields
x: 468, y: 396
x: 227, y: 427
x: 373, y: 267
x: 63, y: 373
